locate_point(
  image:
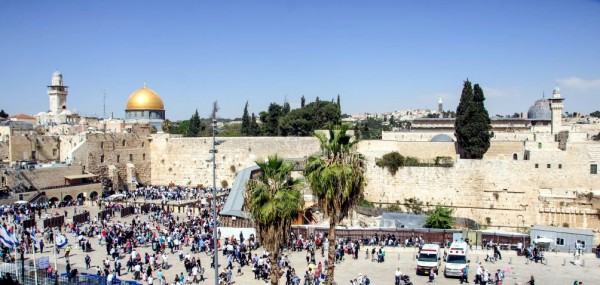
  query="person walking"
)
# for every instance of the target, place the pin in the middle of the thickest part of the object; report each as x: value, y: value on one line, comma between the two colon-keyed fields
x: 465, y: 275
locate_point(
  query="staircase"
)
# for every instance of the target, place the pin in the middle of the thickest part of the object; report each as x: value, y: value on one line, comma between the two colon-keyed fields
x: 39, y: 197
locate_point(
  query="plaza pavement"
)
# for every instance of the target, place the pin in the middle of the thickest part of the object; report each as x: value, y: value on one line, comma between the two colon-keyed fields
x: 379, y: 273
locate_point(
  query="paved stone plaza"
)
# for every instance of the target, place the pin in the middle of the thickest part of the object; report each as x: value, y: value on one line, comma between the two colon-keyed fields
x: 378, y: 273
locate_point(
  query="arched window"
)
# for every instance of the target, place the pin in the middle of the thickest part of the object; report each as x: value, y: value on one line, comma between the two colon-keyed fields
x: 515, y: 157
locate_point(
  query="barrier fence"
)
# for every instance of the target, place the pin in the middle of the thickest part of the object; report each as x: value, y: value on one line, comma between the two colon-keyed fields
x: 129, y: 210
x: 12, y: 271
x: 54, y: 222
x: 29, y: 223
x: 104, y: 214
x: 81, y: 218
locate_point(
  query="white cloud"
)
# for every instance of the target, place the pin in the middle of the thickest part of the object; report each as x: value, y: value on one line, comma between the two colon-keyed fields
x: 579, y: 83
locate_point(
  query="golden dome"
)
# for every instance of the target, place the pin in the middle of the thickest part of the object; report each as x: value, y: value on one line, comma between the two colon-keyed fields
x: 144, y: 99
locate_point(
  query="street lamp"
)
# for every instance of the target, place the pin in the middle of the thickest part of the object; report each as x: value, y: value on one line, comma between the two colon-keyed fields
x: 214, y: 169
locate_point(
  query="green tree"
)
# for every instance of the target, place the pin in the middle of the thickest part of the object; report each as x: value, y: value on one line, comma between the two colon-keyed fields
x: 473, y: 124
x: 392, y: 161
x: 337, y: 180
x: 440, y: 218
x: 246, y: 121
x: 166, y: 126
x: 195, y: 126
x: 595, y: 114
x: 3, y: 114
x: 254, y: 127
x: 274, y: 199
x: 302, y: 101
x: 270, y: 120
x: 596, y: 137
x: 413, y: 205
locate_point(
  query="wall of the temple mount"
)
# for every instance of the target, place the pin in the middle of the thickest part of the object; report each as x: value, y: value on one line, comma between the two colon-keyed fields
x: 183, y: 161
x: 104, y: 149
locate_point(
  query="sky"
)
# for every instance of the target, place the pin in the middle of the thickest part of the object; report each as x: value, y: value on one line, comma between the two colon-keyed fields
x: 379, y: 56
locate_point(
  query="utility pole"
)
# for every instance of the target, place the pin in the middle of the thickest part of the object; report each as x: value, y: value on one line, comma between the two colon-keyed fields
x: 214, y: 200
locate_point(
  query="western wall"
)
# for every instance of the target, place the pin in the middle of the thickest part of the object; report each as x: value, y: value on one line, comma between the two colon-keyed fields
x: 540, y: 185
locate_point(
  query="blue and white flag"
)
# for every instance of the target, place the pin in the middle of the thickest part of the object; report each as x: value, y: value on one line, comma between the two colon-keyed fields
x: 9, y: 240
x: 61, y: 241
x: 33, y: 237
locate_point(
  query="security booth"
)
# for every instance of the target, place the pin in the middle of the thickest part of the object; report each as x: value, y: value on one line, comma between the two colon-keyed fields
x: 561, y: 239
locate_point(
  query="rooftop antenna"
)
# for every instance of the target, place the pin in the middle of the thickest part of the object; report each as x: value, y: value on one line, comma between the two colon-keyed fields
x: 104, y: 109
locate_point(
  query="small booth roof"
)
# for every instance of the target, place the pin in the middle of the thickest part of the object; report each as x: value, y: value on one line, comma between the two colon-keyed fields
x: 80, y: 176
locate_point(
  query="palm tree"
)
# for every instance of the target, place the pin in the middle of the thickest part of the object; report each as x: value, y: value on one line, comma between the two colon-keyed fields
x: 337, y: 179
x: 273, y: 198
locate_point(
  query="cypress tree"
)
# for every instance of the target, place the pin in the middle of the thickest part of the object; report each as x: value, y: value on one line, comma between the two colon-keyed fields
x: 254, y: 128
x: 245, y: 121
x: 472, y: 125
x: 302, y: 101
x: 195, y: 125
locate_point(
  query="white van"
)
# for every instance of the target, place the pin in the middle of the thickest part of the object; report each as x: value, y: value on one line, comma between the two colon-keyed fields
x: 428, y: 259
x: 457, y: 259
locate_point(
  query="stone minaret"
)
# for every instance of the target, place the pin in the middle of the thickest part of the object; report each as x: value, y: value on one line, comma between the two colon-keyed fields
x: 440, y: 108
x: 556, y: 106
x: 58, y: 93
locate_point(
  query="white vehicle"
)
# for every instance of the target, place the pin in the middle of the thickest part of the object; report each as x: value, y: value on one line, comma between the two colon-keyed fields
x: 456, y: 260
x: 428, y: 259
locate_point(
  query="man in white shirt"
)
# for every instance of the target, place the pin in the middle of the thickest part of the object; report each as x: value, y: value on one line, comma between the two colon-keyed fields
x: 398, y: 275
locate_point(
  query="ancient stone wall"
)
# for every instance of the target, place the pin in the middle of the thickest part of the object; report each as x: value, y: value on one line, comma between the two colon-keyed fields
x: 25, y: 145
x: 424, y: 151
x: 104, y: 149
x: 500, y: 192
x: 4, y: 151
x: 183, y: 161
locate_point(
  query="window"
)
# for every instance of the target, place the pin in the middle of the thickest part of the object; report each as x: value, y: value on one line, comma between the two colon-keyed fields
x: 537, y: 165
x: 143, y: 156
x: 593, y: 168
x: 515, y: 156
x: 560, y: 166
x: 560, y: 241
x: 101, y: 144
x: 130, y: 157
x: 102, y: 159
x: 118, y: 158
x: 143, y: 144
x: 123, y: 144
x: 54, y: 152
x: 548, y: 165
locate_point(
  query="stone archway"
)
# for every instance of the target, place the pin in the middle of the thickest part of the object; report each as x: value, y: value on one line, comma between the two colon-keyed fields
x: 53, y: 200
x: 68, y: 198
x: 93, y: 195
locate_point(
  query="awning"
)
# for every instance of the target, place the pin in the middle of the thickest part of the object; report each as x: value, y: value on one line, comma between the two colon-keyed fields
x: 80, y: 176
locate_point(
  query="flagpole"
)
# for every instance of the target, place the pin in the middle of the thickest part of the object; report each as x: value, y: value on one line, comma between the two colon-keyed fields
x: 34, y: 265
x: 55, y: 259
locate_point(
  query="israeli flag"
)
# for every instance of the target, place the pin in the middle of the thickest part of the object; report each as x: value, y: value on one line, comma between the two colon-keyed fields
x: 7, y: 239
x: 33, y: 237
x: 61, y: 241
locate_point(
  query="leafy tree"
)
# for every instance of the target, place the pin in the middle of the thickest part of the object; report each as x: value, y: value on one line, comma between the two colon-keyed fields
x: 595, y: 114
x: 270, y: 119
x: 246, y: 121
x: 179, y: 128
x: 166, y: 126
x: 338, y: 102
x: 337, y: 179
x: 195, y: 125
x: 596, y: 137
x: 302, y: 101
x: 472, y: 125
x: 440, y: 218
x: 413, y: 205
x: 3, y: 114
x: 254, y: 127
x: 274, y: 199
x: 286, y: 108
x: 392, y: 161
x: 372, y: 128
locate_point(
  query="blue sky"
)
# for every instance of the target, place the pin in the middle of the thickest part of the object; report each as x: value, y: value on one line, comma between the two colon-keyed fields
x: 378, y: 55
